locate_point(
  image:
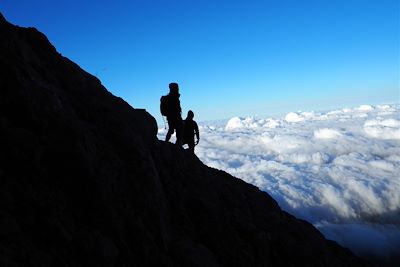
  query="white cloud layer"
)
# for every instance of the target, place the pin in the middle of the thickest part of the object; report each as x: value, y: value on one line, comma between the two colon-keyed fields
x: 340, y: 170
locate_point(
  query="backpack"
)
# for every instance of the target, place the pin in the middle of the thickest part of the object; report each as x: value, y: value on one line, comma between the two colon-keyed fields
x: 164, y: 106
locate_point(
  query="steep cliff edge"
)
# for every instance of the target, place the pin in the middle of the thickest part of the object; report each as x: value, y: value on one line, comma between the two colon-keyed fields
x: 85, y: 182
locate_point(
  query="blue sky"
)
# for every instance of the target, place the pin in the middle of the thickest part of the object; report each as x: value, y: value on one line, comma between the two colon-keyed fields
x: 231, y: 58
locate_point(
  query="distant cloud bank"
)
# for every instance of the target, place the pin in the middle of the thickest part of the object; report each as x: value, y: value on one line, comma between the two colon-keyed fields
x: 340, y: 170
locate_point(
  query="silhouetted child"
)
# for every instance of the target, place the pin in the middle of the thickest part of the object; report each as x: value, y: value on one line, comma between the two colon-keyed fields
x: 190, y: 130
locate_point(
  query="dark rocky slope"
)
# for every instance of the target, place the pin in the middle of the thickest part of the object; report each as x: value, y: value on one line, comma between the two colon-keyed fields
x: 85, y: 182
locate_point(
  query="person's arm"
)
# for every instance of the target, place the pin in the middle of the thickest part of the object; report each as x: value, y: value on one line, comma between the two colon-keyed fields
x: 196, y: 130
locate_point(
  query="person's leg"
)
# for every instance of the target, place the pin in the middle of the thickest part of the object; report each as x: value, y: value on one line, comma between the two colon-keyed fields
x: 171, y: 128
x: 169, y: 133
x: 191, y: 146
x: 179, y: 132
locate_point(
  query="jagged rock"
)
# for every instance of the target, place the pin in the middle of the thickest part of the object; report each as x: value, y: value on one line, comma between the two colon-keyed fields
x: 85, y: 182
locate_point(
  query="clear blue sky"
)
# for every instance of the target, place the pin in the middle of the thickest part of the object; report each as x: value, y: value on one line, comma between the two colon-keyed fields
x: 231, y: 58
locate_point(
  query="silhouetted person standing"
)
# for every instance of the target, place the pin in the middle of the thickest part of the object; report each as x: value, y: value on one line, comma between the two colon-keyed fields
x: 190, y: 130
x: 171, y: 108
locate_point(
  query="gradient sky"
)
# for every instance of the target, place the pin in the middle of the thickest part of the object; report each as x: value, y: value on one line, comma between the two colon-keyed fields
x: 231, y: 58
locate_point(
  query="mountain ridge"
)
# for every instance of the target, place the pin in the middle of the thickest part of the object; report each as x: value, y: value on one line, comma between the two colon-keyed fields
x: 86, y: 182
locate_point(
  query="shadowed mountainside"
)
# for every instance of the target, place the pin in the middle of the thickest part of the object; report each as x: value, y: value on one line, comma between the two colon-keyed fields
x: 85, y: 182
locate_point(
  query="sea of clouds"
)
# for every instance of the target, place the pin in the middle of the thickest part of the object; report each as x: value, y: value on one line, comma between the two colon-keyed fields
x: 339, y: 170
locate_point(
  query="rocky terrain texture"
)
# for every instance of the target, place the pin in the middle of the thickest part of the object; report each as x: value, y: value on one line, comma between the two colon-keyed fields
x: 84, y: 181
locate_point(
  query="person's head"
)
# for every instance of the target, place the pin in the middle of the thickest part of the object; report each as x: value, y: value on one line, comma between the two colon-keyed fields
x: 174, y: 88
x: 190, y: 115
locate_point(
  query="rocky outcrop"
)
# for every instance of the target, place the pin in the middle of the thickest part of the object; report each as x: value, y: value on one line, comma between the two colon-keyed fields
x: 85, y: 182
